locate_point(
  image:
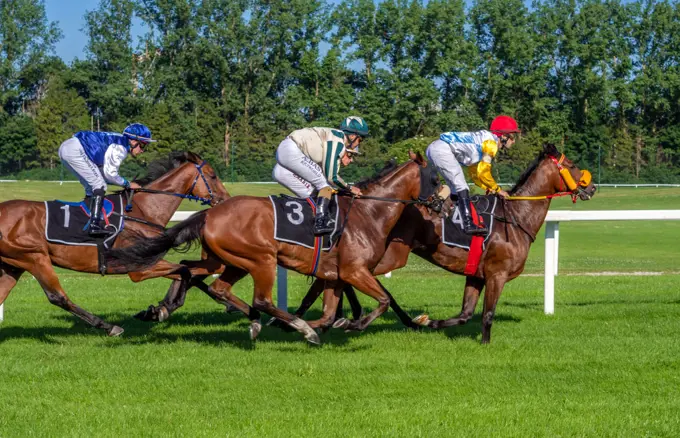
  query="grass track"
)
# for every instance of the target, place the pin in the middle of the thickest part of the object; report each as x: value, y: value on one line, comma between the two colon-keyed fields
x: 607, y: 364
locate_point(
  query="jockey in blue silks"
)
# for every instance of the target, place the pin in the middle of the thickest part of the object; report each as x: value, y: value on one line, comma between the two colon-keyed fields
x: 95, y: 158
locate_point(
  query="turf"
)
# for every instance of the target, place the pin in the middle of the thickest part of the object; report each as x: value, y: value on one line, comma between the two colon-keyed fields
x: 606, y: 364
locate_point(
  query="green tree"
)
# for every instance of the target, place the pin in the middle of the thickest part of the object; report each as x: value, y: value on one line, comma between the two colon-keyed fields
x: 62, y: 113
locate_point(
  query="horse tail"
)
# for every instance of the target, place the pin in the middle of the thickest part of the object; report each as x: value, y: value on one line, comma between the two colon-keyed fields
x: 146, y: 252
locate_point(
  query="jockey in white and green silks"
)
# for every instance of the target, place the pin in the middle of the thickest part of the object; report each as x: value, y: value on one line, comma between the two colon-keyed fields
x: 309, y: 160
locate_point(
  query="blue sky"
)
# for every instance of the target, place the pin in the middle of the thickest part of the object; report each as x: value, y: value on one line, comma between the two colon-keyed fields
x: 70, y: 16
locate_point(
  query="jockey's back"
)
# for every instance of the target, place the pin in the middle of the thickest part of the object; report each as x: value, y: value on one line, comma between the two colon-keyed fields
x: 469, y: 147
x: 321, y: 145
x: 96, y: 144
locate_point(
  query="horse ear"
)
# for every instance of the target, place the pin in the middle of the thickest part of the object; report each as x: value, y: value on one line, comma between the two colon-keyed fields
x: 420, y: 160
x: 411, y: 155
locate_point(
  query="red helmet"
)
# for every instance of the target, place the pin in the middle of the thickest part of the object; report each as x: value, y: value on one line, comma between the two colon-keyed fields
x: 504, y: 125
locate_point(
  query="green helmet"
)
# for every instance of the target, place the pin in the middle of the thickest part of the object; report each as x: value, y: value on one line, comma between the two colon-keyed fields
x: 354, y: 125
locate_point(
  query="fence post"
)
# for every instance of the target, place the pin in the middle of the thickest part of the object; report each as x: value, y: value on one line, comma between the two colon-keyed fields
x: 549, y: 276
x: 282, y: 288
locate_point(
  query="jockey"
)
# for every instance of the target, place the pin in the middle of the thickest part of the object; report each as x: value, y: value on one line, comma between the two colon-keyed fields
x: 95, y: 158
x: 309, y: 159
x: 475, y: 150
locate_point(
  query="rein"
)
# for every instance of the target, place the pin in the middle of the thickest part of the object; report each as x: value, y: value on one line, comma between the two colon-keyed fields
x: 378, y: 198
x: 190, y: 196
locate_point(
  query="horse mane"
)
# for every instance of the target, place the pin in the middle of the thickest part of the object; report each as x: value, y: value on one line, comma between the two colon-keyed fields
x: 163, y: 165
x: 389, y: 166
x: 549, y: 150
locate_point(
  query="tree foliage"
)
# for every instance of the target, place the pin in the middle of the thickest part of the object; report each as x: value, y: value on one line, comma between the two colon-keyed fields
x: 230, y: 79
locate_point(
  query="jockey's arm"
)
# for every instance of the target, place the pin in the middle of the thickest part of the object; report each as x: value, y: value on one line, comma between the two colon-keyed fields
x: 333, y: 152
x: 113, y: 158
x: 481, y: 172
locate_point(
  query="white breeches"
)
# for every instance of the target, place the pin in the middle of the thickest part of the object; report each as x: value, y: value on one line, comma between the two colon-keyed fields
x: 296, y: 171
x: 76, y: 160
x: 440, y: 154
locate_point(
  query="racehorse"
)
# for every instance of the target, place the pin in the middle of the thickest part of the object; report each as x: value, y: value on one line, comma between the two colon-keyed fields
x: 239, y: 233
x: 23, y: 246
x: 518, y: 222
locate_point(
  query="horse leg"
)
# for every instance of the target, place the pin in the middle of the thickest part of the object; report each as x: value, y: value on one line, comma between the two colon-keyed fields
x: 174, y: 298
x: 404, y: 317
x: 312, y: 295
x: 263, y: 277
x: 9, y: 276
x: 354, y: 304
x: 362, y: 279
x: 494, y: 287
x: 473, y: 288
x: 44, y: 273
x: 332, y: 295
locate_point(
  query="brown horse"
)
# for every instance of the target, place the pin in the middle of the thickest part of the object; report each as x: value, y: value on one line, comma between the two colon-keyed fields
x: 239, y: 234
x: 23, y: 246
x: 518, y: 221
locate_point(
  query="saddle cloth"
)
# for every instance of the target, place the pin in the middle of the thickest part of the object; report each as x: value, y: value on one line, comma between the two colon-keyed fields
x: 452, y: 226
x: 66, y: 222
x: 294, y: 221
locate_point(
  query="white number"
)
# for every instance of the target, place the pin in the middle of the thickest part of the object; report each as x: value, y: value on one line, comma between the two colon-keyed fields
x: 67, y: 215
x: 457, y: 218
x: 297, y: 217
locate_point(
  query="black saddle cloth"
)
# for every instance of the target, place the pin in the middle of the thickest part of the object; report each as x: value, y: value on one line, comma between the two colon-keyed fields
x: 452, y: 226
x: 67, y: 222
x: 294, y: 221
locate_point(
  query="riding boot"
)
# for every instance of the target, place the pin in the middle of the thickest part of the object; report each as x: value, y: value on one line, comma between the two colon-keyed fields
x: 322, y: 219
x: 96, y: 229
x: 466, y: 214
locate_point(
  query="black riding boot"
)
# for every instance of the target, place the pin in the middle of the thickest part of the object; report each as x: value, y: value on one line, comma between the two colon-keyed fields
x: 96, y: 229
x: 468, y: 225
x: 322, y: 219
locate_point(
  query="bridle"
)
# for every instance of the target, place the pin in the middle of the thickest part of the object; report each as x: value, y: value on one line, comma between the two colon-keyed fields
x: 569, y: 187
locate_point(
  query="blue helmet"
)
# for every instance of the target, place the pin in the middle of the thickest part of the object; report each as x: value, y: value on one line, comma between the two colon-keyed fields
x: 137, y: 131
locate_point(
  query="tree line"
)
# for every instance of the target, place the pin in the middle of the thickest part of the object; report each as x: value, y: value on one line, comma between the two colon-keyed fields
x: 229, y: 79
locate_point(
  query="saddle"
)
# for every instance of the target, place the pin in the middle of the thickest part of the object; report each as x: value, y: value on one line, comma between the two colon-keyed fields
x: 452, y: 225
x: 294, y: 221
x: 67, y: 222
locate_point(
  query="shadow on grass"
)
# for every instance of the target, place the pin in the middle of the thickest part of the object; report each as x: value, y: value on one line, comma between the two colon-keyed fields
x: 144, y: 333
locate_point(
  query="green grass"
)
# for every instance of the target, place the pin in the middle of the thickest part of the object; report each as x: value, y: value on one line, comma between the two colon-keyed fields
x: 606, y: 364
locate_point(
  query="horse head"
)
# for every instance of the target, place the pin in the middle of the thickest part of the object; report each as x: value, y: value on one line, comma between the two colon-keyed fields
x: 197, y: 178
x: 553, y: 172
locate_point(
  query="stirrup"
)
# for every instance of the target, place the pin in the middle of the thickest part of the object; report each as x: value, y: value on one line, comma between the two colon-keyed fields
x: 321, y: 226
x: 98, y: 231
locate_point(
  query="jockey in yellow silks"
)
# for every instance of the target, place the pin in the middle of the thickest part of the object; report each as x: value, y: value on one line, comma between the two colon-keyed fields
x: 474, y: 150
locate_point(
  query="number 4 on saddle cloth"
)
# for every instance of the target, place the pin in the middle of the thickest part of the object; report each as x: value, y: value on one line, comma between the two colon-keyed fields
x: 294, y: 222
x: 67, y: 222
x: 483, y: 208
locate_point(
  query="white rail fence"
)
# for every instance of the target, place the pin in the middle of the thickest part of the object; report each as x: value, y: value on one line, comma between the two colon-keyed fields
x: 552, y: 239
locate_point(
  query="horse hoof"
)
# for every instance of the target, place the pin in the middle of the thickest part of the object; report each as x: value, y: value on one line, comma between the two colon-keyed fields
x: 255, y: 328
x: 163, y: 314
x: 115, y: 331
x: 313, y: 338
x: 422, y: 320
x: 149, y: 314
x: 341, y: 323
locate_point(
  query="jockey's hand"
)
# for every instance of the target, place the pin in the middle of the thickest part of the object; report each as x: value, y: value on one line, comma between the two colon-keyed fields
x: 134, y: 186
x: 502, y: 193
x: 356, y: 191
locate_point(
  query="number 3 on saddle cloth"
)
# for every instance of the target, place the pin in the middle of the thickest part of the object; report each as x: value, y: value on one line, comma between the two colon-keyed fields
x: 67, y: 222
x: 294, y: 223
x: 483, y: 208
